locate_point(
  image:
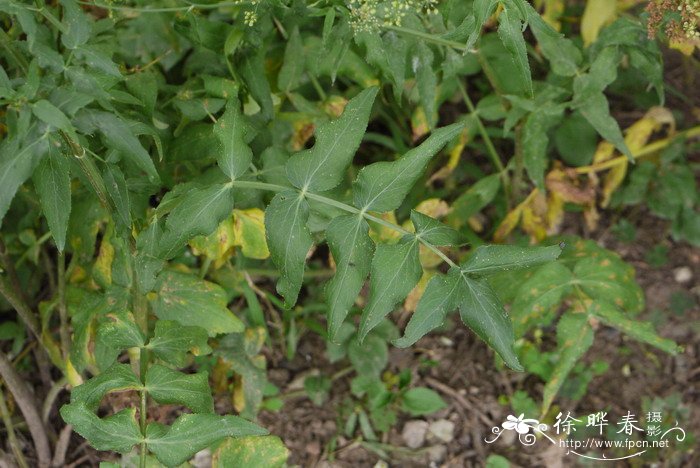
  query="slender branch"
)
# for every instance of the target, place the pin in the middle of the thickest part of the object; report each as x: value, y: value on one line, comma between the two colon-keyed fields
x: 11, y: 437
x: 646, y: 151
x: 191, y: 6
x: 23, y: 310
x: 430, y: 38
x: 345, y: 207
x: 490, y: 148
x: 62, y: 312
x: 24, y: 399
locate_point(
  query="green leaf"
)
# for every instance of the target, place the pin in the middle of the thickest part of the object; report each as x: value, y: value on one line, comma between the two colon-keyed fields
x: 441, y: 296
x: 172, y: 341
x: 193, y: 432
x: 119, y: 331
x: 241, y: 352
x: 510, y: 30
x: 483, y: 9
x: 370, y: 357
x: 52, y: 115
x: 323, y: 166
x: 535, y: 141
x: 574, y: 337
x: 289, y: 241
x: 191, y: 301
x: 118, y: 135
x: 16, y: 165
x: 199, y: 213
x: 52, y: 181
x: 118, y: 378
x: 433, y: 231
x: 235, y: 156
x: 562, y: 53
x: 641, y: 331
x: 293, y: 64
x: 352, y: 248
x: 538, y: 298
x: 251, y: 452
x: 77, y: 27
x: 596, y: 110
x: 118, y: 432
x: 115, y: 184
x: 477, y: 197
x: 252, y: 70
x: 172, y: 387
x: 481, y: 311
x: 426, y: 80
x: 382, y: 186
x: 421, y: 401
x: 608, y: 278
x: 493, y: 258
x: 396, y: 269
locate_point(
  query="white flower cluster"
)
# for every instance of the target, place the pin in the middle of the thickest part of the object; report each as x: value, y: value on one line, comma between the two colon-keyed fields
x: 690, y: 11
x: 370, y: 15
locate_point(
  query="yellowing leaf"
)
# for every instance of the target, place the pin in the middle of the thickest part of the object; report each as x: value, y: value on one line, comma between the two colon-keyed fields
x: 249, y: 233
x: 414, y: 296
x: 382, y: 234
x: 419, y: 124
x: 509, y: 223
x: 553, y: 10
x: 598, y: 13
x: 636, y: 137
x: 334, y: 106
x: 102, y: 271
x: 217, y: 246
x: 433, y: 207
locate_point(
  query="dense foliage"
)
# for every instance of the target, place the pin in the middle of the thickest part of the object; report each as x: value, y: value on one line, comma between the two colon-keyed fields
x: 162, y: 161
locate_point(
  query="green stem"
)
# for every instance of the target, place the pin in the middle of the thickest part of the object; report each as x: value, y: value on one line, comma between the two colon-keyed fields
x: 490, y: 148
x: 63, y: 314
x: 191, y: 6
x: 344, y: 207
x: 8, y: 44
x: 429, y: 38
x: 11, y: 437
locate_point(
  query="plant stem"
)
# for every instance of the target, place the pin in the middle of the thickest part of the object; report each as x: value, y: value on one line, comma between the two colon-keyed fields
x: 646, y: 151
x: 23, y: 310
x: 11, y: 437
x: 191, y: 6
x: 24, y: 398
x: 63, y: 314
x: 429, y: 38
x: 490, y: 148
x: 344, y: 207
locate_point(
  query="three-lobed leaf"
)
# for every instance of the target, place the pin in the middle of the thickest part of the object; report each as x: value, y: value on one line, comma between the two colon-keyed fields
x: 383, y: 186
x: 191, y: 301
x: 191, y: 433
x: 235, y: 156
x: 289, y: 241
x: 352, y: 248
x: 323, y: 166
x: 395, y: 270
x: 167, y: 386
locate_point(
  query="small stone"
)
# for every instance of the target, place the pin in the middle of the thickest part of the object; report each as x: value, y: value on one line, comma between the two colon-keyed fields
x: 443, y: 430
x: 437, y: 453
x: 683, y: 275
x: 414, y: 433
x: 313, y: 448
x: 445, y: 341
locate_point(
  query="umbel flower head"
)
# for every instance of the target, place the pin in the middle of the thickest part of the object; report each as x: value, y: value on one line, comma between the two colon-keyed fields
x: 370, y: 15
x: 683, y: 24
